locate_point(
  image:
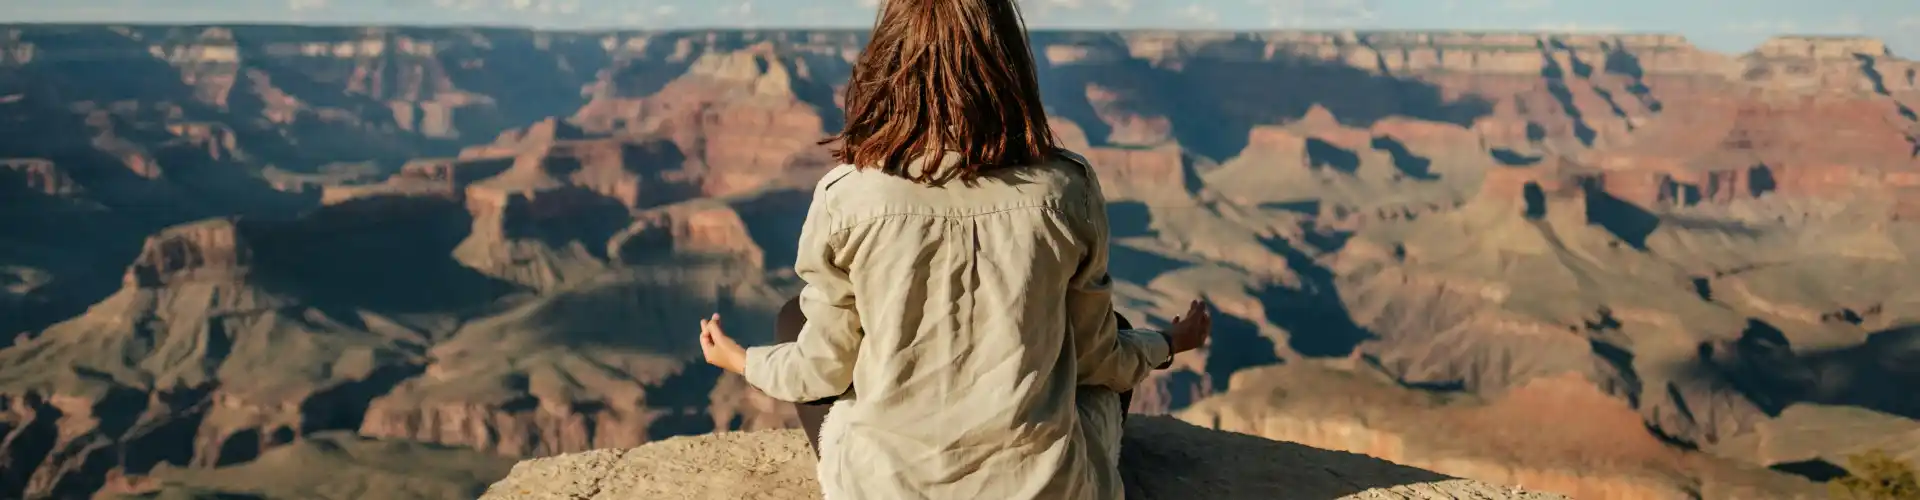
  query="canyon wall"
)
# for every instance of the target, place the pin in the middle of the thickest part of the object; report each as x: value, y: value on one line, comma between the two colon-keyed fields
x: 233, y: 238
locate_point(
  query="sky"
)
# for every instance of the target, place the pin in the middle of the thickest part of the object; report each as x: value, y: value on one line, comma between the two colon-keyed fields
x: 1723, y: 25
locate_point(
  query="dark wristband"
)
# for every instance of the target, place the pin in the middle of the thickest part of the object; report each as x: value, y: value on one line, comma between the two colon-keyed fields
x: 1169, y: 338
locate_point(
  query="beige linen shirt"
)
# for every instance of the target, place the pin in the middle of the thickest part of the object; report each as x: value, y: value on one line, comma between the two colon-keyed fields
x: 975, y: 326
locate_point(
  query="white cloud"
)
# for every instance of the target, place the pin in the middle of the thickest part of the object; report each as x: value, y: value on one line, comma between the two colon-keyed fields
x: 1076, y: 7
x: 300, y: 5
x: 538, y: 6
x: 1847, y: 24
x: 1575, y: 27
x: 461, y: 5
x: 1762, y: 27
x: 1316, y: 13
x: 1200, y: 14
x: 813, y: 14
x: 743, y: 9
x: 1908, y: 22
x: 1526, y: 5
x: 665, y: 10
x: 1043, y: 8
x: 548, y: 7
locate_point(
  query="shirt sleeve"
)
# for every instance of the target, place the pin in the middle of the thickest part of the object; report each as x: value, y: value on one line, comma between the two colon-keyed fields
x: 820, y: 363
x: 1106, y: 355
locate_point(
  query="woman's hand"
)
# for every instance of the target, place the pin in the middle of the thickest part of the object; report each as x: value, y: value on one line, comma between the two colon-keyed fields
x: 1191, y: 330
x: 721, y: 350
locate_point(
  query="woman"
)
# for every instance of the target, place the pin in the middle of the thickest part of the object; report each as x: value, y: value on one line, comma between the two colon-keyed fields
x: 957, y: 302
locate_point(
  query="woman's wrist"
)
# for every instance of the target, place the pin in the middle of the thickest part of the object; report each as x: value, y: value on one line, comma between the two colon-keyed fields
x: 1170, y: 352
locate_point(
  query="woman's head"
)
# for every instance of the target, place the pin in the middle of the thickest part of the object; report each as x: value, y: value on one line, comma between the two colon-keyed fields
x: 940, y: 76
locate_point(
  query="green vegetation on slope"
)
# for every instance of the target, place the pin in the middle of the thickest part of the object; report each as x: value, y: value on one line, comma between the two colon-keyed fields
x: 1877, y: 476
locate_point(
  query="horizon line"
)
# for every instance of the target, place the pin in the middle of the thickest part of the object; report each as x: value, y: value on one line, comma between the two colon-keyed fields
x: 1682, y: 37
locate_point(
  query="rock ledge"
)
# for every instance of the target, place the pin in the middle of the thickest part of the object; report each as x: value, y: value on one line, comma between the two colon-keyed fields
x: 1164, y: 459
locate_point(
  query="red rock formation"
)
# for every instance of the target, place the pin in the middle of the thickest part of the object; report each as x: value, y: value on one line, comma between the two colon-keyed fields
x: 201, y: 300
x: 1728, y: 148
x: 634, y: 172
x: 1551, y: 178
x: 37, y: 175
x: 1130, y: 173
x: 212, y: 249
x: 1555, y: 434
x: 1133, y: 122
x: 1426, y: 136
x: 740, y: 113
x: 393, y: 70
x: 691, y: 231
x: 208, y: 64
x: 1906, y: 205
x: 216, y: 140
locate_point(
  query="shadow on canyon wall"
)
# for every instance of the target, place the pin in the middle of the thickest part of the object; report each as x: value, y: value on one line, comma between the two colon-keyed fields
x: 392, y: 255
x: 1879, y: 374
x: 1213, y: 102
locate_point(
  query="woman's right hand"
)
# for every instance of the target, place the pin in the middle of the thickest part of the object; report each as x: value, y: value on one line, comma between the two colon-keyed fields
x: 719, y: 349
x: 1190, y: 331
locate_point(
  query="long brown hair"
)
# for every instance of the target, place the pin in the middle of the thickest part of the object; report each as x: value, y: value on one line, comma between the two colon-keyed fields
x: 944, y: 76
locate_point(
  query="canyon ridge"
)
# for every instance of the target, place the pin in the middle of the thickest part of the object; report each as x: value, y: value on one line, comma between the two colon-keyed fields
x: 1602, y: 266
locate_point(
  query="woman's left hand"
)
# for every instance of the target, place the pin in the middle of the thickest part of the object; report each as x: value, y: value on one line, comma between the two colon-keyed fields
x: 721, y: 350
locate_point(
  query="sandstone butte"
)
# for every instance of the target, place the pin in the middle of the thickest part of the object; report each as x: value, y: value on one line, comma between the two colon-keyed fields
x: 1604, y: 266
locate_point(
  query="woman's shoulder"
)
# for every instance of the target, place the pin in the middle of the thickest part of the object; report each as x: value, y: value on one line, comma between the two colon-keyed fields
x: 834, y: 176
x: 1066, y: 179
x: 1074, y: 167
x: 1075, y: 159
x: 1075, y: 172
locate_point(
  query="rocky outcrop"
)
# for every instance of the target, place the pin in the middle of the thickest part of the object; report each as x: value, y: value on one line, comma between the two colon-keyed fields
x: 777, y: 465
x: 691, y: 232
x: 36, y: 175
x: 580, y: 368
x: 1156, y: 173
x: 405, y: 75
x: 143, y: 377
x: 1594, y: 455
x: 749, y: 115
x: 356, y: 468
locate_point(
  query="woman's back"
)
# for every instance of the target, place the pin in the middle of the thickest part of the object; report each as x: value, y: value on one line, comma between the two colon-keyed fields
x: 966, y: 307
x: 961, y: 292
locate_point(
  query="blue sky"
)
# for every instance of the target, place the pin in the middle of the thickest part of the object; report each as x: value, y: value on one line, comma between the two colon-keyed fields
x: 1724, y: 25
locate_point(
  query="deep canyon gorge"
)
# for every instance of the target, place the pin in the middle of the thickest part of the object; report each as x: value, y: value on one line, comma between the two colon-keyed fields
x: 1605, y: 266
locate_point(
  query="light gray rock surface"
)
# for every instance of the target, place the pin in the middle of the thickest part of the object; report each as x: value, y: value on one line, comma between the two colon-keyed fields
x: 1163, y: 459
